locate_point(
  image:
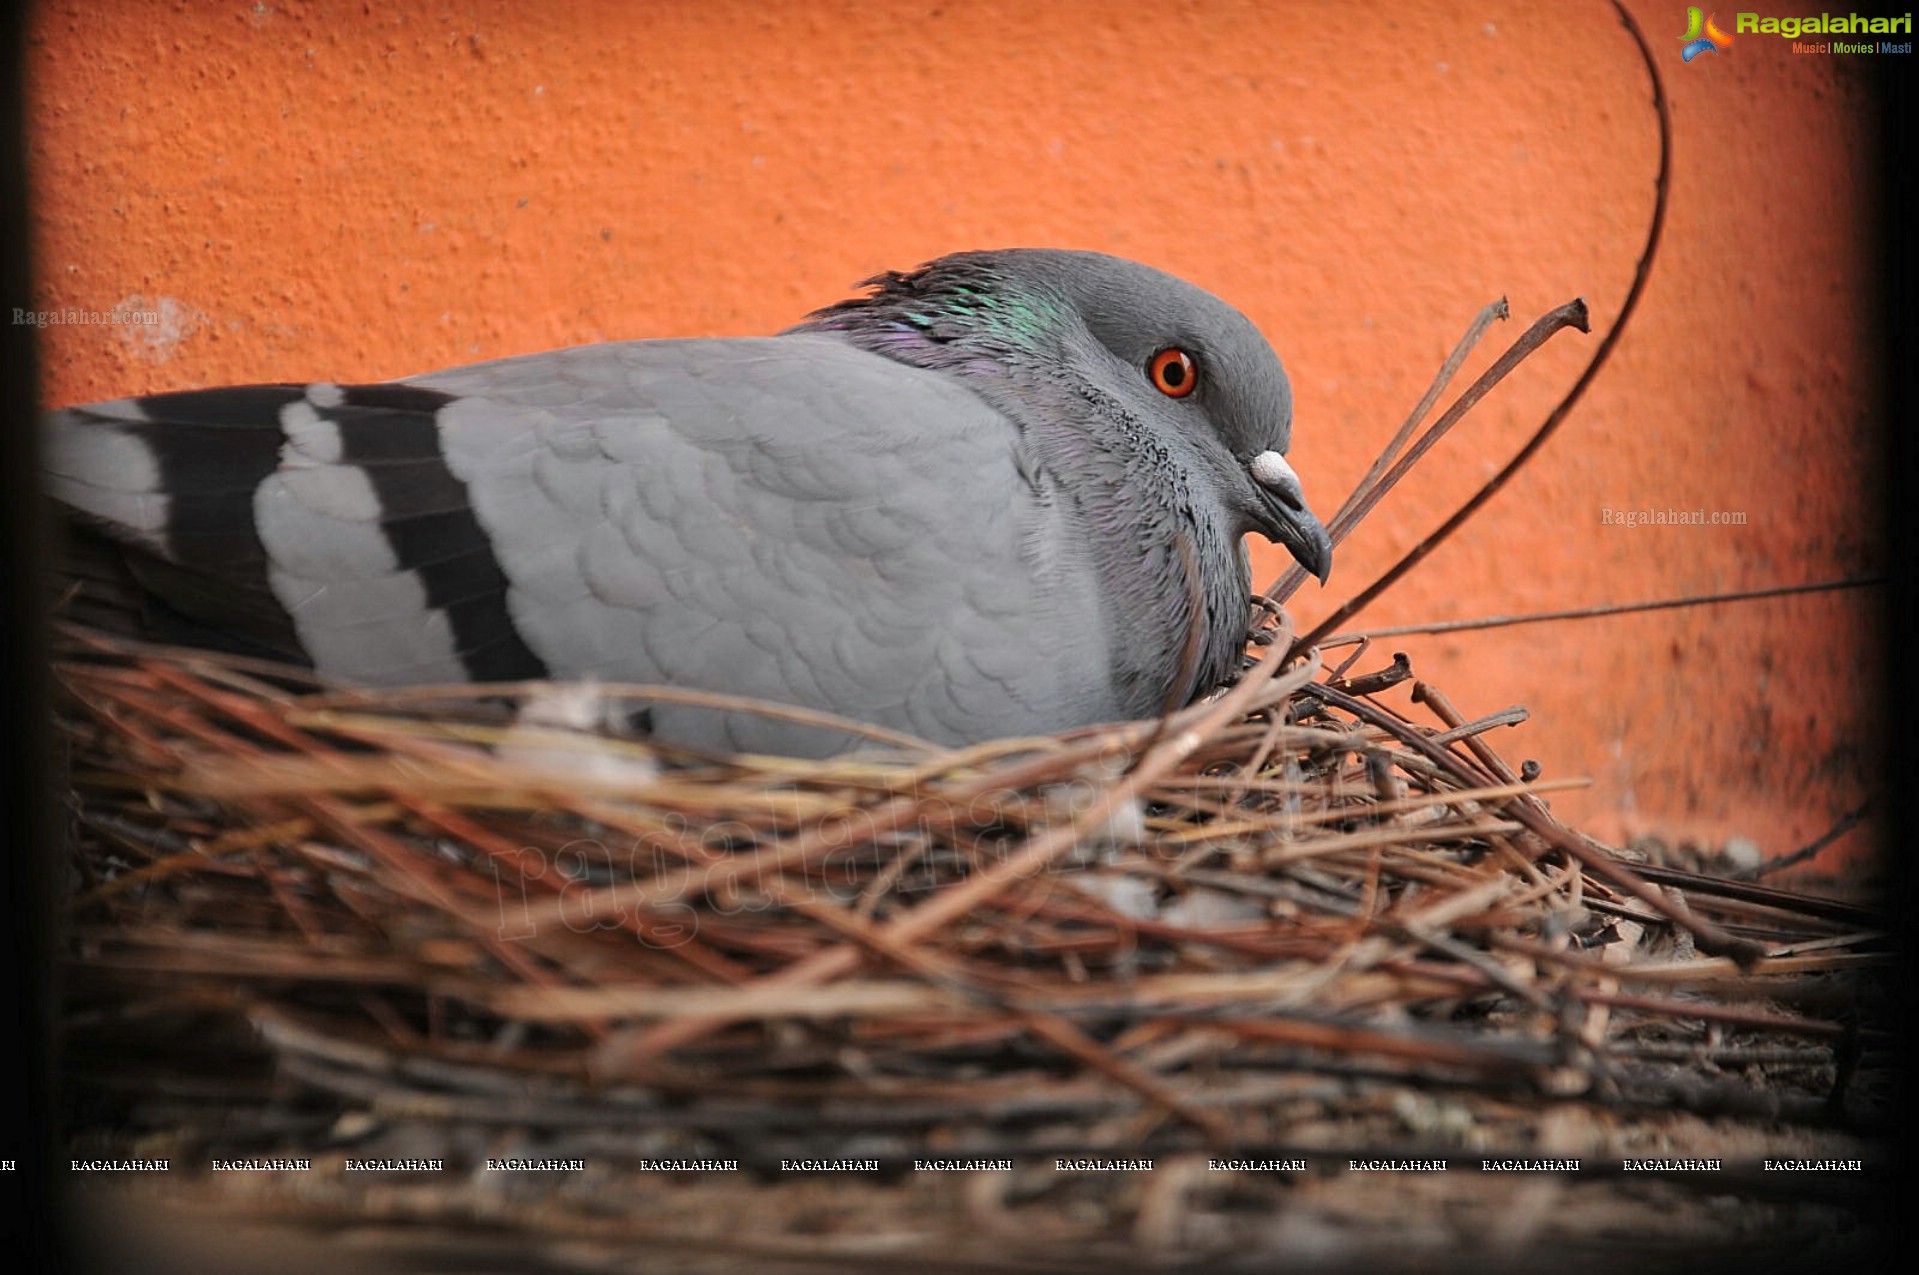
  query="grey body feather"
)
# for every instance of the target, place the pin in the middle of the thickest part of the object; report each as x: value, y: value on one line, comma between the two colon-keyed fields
x: 955, y: 507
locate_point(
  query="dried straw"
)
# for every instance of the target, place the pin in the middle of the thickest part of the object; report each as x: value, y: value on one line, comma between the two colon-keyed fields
x: 1115, y: 936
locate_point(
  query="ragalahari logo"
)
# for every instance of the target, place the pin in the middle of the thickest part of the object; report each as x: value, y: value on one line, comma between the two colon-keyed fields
x: 1701, y: 35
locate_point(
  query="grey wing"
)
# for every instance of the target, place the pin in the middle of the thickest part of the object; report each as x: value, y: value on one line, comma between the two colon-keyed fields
x: 788, y: 518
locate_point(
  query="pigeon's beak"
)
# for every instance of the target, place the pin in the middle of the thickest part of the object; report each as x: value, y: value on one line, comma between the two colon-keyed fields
x: 1285, y: 518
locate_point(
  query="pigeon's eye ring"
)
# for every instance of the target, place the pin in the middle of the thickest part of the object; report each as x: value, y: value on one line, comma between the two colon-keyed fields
x: 1173, y: 373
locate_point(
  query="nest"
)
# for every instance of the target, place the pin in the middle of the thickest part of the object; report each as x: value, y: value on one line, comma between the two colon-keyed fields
x: 1267, y: 924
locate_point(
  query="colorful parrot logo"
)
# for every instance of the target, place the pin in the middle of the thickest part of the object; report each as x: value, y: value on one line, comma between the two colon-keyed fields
x: 1702, y: 35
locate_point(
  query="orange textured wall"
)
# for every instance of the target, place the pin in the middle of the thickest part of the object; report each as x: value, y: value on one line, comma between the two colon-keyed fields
x: 344, y: 191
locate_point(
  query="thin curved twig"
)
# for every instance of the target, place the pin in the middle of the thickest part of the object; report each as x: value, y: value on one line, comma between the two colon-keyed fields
x: 1353, y: 606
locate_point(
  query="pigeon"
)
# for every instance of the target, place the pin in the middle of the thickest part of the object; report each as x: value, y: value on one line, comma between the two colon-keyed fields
x: 1002, y: 494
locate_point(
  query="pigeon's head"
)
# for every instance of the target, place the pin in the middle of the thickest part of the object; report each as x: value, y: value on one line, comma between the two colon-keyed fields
x: 1147, y: 347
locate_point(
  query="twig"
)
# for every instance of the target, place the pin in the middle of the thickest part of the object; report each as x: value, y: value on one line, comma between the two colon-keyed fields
x: 1370, y: 488
x: 1574, y: 313
x: 1616, y: 608
x: 1846, y: 823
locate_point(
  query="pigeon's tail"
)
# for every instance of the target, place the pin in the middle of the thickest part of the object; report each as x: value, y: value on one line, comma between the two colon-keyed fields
x: 159, y: 505
x: 107, y: 585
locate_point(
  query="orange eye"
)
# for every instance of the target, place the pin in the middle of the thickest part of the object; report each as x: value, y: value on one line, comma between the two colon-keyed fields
x: 1173, y: 373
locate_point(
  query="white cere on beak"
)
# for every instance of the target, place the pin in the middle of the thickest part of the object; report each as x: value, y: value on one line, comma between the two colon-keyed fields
x: 1270, y: 470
